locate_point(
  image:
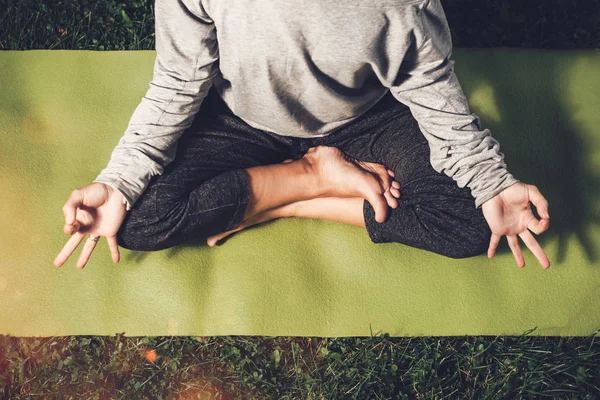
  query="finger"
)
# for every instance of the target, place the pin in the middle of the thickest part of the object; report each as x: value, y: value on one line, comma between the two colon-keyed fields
x: 395, y: 192
x: 391, y: 200
x: 114, y: 248
x: 494, y: 241
x: 535, y: 248
x: 540, y: 202
x: 538, y: 226
x: 88, y: 247
x: 396, y: 184
x: 72, y: 228
x: 70, y: 207
x: 391, y: 173
x: 68, y: 249
x: 513, y: 242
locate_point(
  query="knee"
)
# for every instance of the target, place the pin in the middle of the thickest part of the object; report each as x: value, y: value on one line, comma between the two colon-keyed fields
x: 138, y: 230
x: 465, y: 234
x: 461, y: 234
x: 472, y: 249
x: 455, y: 246
x: 138, y: 234
x: 473, y: 241
x: 131, y: 237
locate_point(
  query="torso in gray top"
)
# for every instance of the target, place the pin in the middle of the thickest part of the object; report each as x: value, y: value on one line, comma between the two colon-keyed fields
x: 304, y: 68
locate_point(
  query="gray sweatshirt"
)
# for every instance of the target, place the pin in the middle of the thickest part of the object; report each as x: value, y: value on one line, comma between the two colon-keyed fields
x: 303, y: 68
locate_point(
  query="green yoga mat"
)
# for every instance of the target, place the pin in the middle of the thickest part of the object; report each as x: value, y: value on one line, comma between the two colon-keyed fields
x: 62, y: 112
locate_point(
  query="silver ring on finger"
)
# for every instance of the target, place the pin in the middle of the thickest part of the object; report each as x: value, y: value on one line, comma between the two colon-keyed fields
x: 94, y: 238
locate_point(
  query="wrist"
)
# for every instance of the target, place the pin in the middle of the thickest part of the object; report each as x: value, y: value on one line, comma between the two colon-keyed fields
x: 113, y: 191
x: 479, y: 202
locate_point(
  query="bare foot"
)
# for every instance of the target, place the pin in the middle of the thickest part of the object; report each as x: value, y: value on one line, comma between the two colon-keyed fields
x: 346, y: 177
x: 374, y: 177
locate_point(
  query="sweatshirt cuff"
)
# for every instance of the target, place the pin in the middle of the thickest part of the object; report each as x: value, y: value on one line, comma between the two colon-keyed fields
x: 488, y: 186
x: 115, y: 185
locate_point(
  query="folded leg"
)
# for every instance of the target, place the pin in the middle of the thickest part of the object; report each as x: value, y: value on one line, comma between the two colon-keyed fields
x: 205, y: 189
x: 433, y: 213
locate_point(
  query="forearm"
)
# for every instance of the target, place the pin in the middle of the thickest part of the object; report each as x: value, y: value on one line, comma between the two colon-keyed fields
x: 183, y: 74
x: 427, y: 84
x: 458, y: 146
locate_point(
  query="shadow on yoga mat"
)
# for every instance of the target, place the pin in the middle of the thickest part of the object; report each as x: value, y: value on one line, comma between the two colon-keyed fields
x: 62, y: 113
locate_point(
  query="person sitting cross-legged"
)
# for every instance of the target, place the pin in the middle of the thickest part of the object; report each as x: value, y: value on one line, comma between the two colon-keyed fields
x: 345, y: 111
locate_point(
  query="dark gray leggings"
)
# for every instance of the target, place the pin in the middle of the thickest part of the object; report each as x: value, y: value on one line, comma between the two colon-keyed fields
x: 204, y: 191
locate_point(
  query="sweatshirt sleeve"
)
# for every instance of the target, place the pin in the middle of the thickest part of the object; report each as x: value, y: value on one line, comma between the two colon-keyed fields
x: 185, y: 66
x: 426, y: 83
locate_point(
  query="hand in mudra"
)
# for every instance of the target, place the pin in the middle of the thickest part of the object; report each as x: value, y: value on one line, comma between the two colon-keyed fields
x: 96, y: 209
x: 508, y: 213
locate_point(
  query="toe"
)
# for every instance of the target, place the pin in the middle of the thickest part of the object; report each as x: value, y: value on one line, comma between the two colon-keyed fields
x: 380, y: 206
x: 371, y: 189
x: 381, y: 209
x: 384, y: 178
x: 395, y: 192
x: 391, y: 200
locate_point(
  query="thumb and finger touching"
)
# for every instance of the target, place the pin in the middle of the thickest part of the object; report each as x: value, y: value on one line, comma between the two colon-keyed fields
x: 70, y: 208
x: 70, y: 229
x: 533, y: 224
x: 79, y: 219
x: 539, y: 201
x: 538, y: 226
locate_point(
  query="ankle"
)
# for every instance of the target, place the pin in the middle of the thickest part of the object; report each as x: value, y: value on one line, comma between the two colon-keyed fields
x: 312, y: 161
x: 289, y: 210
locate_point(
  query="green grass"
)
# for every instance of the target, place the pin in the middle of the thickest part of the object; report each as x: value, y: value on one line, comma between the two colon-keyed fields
x: 129, y: 24
x: 77, y: 25
x: 247, y: 367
